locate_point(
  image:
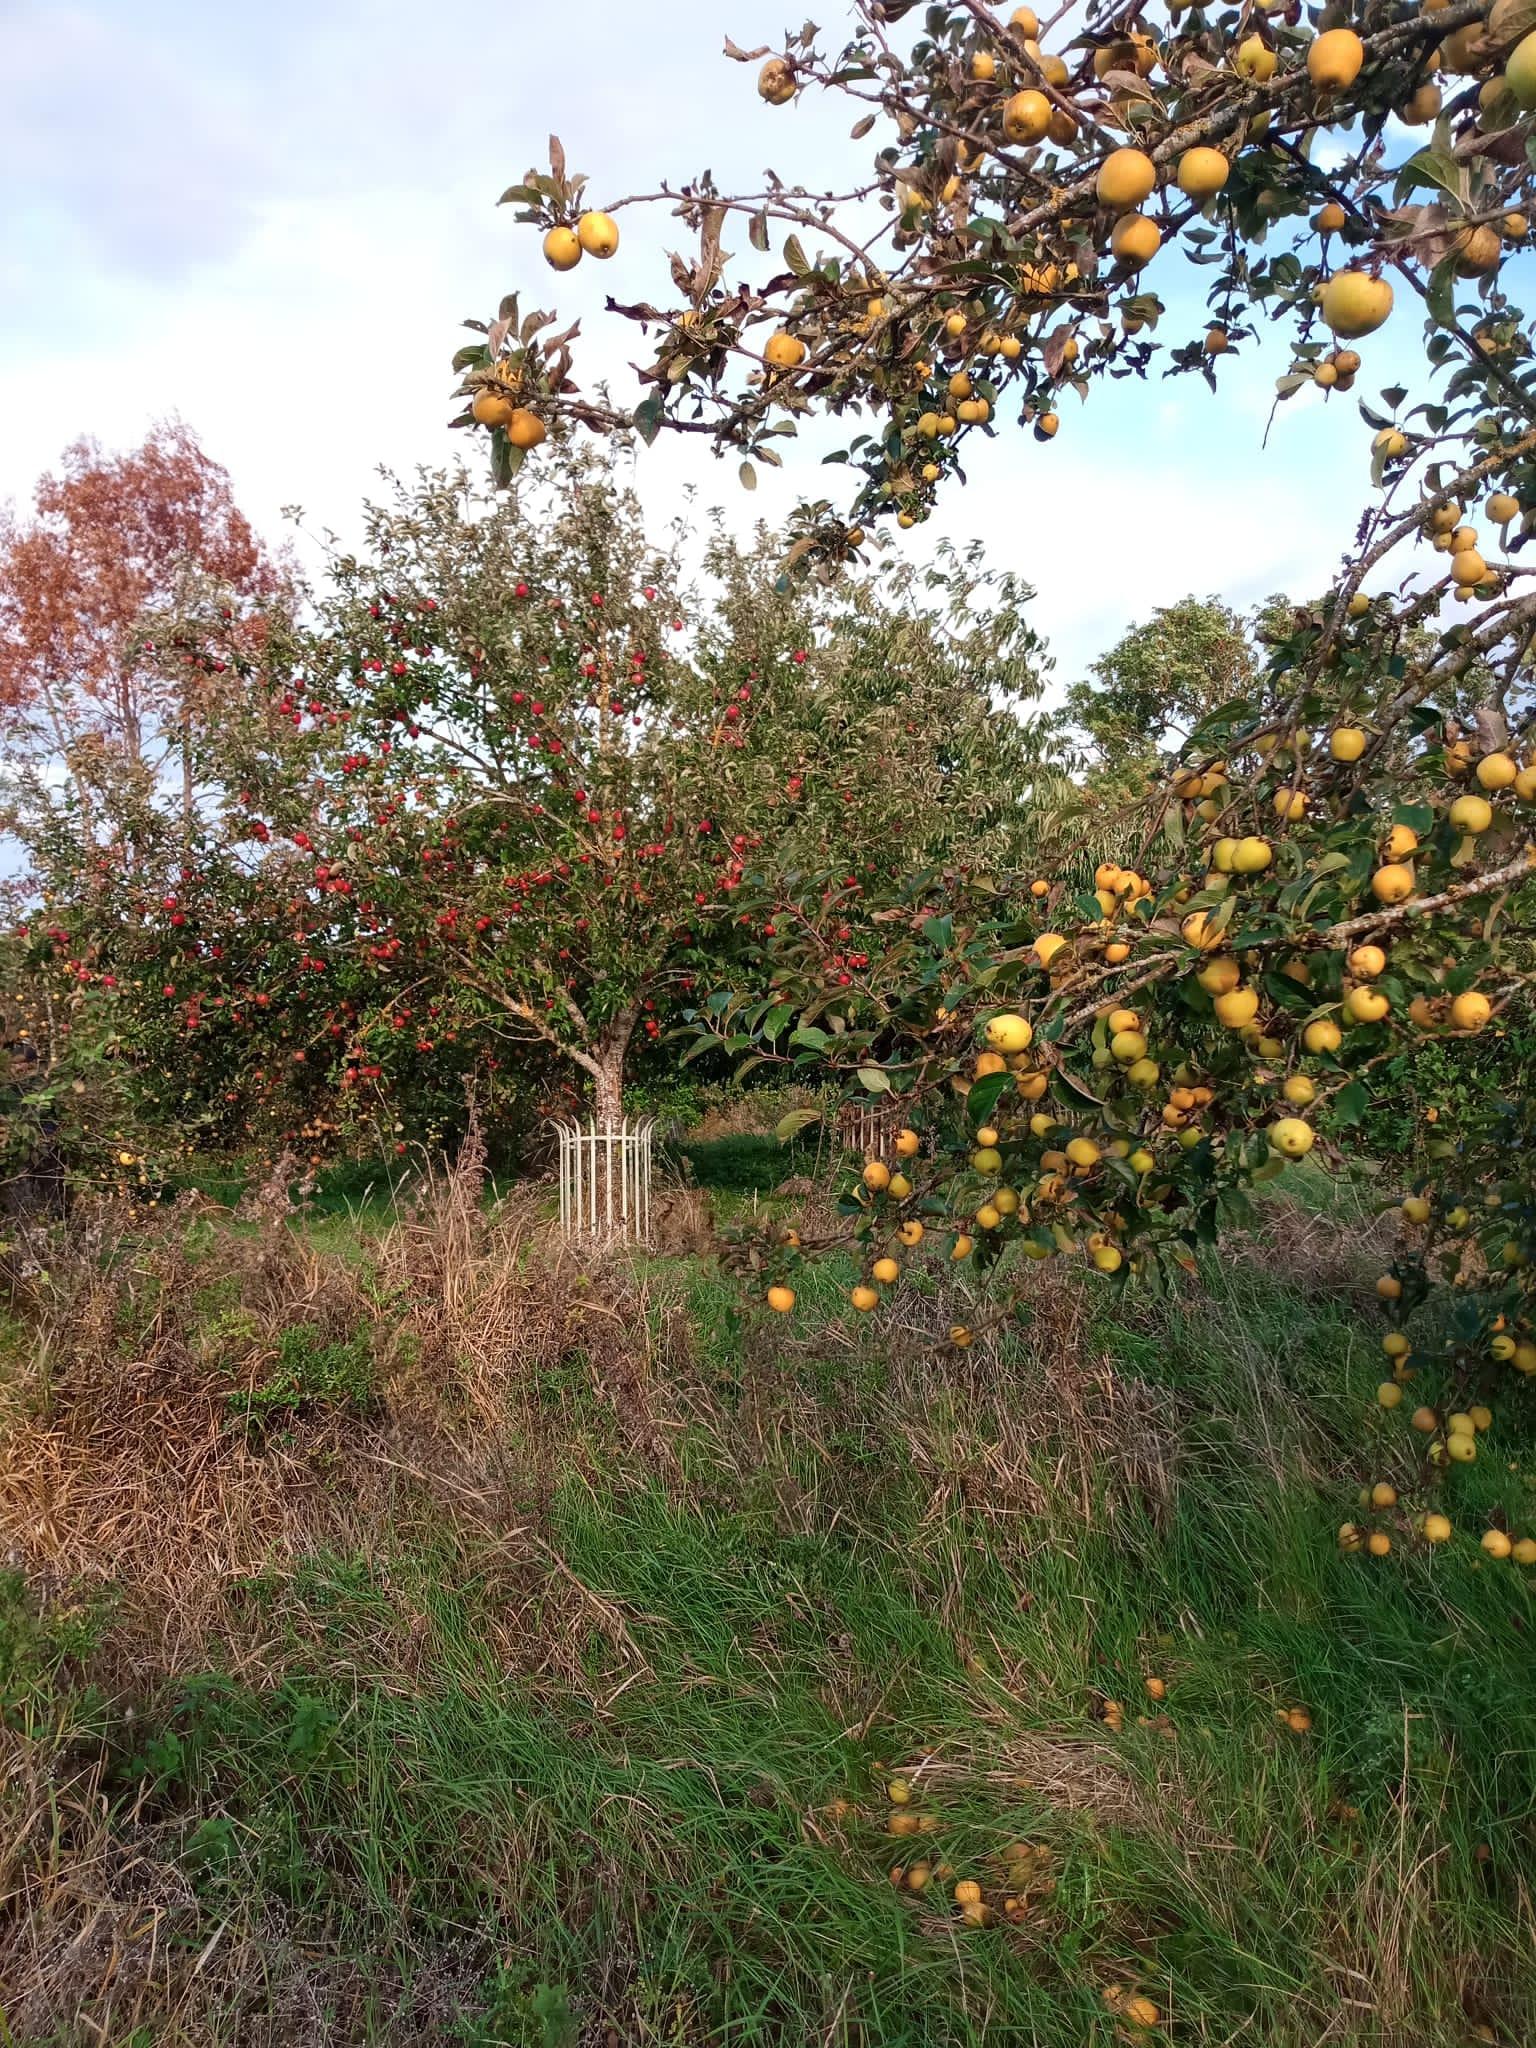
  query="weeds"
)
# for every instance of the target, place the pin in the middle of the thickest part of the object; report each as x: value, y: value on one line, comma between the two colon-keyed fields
x: 542, y: 1679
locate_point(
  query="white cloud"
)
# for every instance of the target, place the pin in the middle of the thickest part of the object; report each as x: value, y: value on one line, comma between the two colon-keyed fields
x: 272, y: 226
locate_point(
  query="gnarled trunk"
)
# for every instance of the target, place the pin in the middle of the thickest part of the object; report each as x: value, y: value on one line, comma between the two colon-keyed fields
x: 605, y: 1063
x: 608, y: 1094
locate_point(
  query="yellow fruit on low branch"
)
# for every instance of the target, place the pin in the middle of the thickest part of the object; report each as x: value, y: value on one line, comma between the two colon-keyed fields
x: 1347, y: 743
x: 1202, y: 173
x: 1355, y: 303
x: 1498, y: 771
x: 1125, y: 178
x: 1366, y: 1005
x: 1135, y: 240
x: 1471, y: 1010
x: 1026, y: 117
x: 1392, y: 883
x: 598, y: 234
x: 776, y: 82
x: 525, y: 429
x: 781, y: 1299
x: 1334, y: 59
x: 1366, y: 962
x: 1255, y: 60
x: 1520, y: 72
x: 1472, y: 814
x: 784, y: 351
x: 1238, y: 1007
x: 562, y: 248
x: 1009, y: 1032
x: 1292, y: 1137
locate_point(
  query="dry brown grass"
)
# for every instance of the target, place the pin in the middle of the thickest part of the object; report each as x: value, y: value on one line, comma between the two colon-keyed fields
x: 503, y: 1366
x: 102, y: 1933
x: 124, y: 1458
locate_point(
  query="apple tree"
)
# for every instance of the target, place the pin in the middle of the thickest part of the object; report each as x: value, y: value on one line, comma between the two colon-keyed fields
x: 1339, y: 862
x: 562, y: 757
x: 479, y: 814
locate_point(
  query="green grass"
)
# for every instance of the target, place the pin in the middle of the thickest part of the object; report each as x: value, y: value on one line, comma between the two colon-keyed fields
x: 613, y: 1788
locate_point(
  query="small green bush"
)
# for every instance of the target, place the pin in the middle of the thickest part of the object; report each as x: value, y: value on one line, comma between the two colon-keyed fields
x: 311, y: 1371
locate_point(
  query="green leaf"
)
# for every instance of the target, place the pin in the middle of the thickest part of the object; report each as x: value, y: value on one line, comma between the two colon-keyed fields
x: 875, y: 1079
x: 1435, y: 168
x: 810, y: 1035
x: 983, y: 1096
x: 1074, y: 1086
x: 789, y: 1127
x: 1351, y: 1103
x: 1440, y: 297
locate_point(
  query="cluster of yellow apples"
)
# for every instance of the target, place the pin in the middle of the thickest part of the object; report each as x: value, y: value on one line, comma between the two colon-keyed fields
x: 1019, y: 1878
x: 594, y: 234
x: 1024, y: 91
x: 1449, y: 533
x: 1451, y: 1436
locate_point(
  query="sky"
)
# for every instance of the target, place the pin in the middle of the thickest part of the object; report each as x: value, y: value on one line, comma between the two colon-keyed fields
x: 271, y: 222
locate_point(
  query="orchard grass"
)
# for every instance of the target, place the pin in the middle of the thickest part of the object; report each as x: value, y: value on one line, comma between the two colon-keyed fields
x: 587, y: 1734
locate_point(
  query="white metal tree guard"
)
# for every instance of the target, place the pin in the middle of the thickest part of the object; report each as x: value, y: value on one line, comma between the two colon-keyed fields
x: 605, y: 1181
x: 868, y: 1127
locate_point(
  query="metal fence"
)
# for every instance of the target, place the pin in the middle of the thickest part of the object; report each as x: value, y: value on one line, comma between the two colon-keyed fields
x: 868, y: 1127
x: 605, y: 1181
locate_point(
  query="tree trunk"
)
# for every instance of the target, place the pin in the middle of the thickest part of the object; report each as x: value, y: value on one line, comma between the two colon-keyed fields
x: 605, y: 1063
x: 608, y: 1095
